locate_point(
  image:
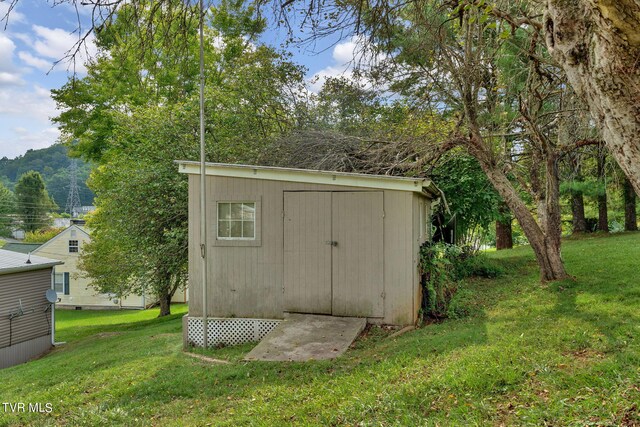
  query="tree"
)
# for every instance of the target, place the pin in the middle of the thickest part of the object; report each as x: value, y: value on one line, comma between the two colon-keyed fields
x: 630, y: 216
x: 598, y: 44
x: 138, y: 127
x: 7, y: 210
x: 603, y: 214
x: 495, y: 78
x: 33, y: 202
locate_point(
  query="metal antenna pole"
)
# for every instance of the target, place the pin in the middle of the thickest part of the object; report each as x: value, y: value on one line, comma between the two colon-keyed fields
x: 203, y: 192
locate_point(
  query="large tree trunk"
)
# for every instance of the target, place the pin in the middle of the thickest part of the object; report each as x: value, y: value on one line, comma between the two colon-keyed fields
x: 577, y: 209
x: 603, y: 217
x: 630, y: 217
x: 165, y: 304
x: 597, y: 43
x: 545, y: 244
x: 504, y: 231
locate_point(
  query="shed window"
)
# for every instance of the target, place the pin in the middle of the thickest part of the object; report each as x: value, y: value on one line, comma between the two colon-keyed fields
x: 236, y: 220
x: 73, y: 246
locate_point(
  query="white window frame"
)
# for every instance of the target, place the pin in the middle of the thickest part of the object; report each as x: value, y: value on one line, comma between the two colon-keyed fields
x: 57, y: 276
x: 242, y: 221
x: 212, y: 219
x: 77, y: 246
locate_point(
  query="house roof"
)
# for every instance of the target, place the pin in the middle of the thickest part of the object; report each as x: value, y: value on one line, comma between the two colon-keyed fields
x: 61, y: 234
x: 418, y: 185
x: 23, y: 248
x: 13, y: 262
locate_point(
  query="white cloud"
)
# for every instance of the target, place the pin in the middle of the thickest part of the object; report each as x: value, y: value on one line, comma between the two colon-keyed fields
x: 344, y: 56
x: 9, y: 79
x: 19, y: 139
x: 13, y: 17
x: 33, y: 103
x: 55, y: 44
x: 35, y: 62
x: 344, y: 53
x: 9, y: 73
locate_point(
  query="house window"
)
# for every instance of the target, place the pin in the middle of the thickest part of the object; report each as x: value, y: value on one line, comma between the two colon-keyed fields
x: 73, y: 246
x: 61, y: 283
x: 236, y: 220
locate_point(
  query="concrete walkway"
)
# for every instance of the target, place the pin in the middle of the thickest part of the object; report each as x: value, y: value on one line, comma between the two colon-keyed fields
x: 303, y: 337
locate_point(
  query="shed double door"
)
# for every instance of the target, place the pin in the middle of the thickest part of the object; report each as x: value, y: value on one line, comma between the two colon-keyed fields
x: 333, y: 248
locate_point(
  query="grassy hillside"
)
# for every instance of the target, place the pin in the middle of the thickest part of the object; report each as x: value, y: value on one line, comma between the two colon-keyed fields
x: 560, y: 354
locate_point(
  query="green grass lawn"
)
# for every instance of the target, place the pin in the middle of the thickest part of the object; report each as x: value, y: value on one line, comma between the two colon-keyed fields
x: 565, y: 353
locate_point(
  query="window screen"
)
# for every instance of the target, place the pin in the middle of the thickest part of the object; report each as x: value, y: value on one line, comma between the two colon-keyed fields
x: 236, y: 220
x: 58, y: 283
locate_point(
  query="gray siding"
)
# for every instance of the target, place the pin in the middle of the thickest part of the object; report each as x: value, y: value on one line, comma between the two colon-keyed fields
x: 28, y: 287
x: 24, y: 351
x: 307, y: 261
x: 247, y: 281
x: 358, y: 263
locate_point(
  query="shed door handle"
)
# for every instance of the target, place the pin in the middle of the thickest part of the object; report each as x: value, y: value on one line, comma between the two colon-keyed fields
x: 331, y: 242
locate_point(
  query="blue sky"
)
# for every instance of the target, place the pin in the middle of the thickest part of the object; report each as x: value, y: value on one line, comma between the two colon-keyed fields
x: 39, y: 34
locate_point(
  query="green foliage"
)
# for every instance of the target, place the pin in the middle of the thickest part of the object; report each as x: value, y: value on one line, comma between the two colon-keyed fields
x: 7, y: 209
x: 589, y: 187
x: 42, y: 235
x: 52, y: 163
x: 471, y: 198
x: 442, y: 267
x: 33, y: 202
x: 136, y: 112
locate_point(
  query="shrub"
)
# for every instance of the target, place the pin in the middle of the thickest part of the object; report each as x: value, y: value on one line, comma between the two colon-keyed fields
x: 42, y: 235
x: 441, y: 268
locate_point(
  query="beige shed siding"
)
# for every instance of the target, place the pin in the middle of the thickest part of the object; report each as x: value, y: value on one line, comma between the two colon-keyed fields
x: 358, y: 262
x: 307, y: 264
x: 30, y: 288
x: 249, y: 279
x: 398, y: 258
x: 421, y: 231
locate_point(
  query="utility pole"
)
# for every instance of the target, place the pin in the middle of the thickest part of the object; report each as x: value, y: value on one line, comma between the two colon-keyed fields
x: 73, y: 199
x: 203, y: 190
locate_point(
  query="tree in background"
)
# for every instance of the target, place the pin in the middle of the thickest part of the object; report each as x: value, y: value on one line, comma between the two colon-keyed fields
x: 7, y: 210
x: 630, y: 216
x: 33, y: 202
x: 473, y: 201
x: 138, y: 126
x: 53, y: 164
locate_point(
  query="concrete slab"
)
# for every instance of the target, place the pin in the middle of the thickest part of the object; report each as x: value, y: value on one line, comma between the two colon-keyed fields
x: 303, y: 337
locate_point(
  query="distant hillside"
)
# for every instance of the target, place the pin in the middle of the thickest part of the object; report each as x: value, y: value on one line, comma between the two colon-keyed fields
x: 53, y: 165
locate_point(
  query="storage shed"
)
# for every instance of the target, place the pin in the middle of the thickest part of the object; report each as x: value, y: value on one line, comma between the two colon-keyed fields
x: 291, y: 240
x: 26, y: 317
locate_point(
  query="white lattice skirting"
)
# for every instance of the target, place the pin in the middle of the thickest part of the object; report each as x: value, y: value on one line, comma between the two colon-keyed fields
x: 230, y: 331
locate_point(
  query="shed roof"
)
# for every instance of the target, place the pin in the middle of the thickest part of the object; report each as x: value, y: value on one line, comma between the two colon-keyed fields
x: 13, y: 262
x: 418, y: 185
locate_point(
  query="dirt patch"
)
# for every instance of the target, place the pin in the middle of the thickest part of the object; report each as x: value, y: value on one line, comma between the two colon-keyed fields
x: 107, y: 334
x: 207, y: 359
x: 583, y: 357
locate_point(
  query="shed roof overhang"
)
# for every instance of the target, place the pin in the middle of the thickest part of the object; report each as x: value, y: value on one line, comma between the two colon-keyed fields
x: 347, y: 179
x: 14, y: 262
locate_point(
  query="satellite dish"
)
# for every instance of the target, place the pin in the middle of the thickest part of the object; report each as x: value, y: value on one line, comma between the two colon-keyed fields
x: 52, y: 296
